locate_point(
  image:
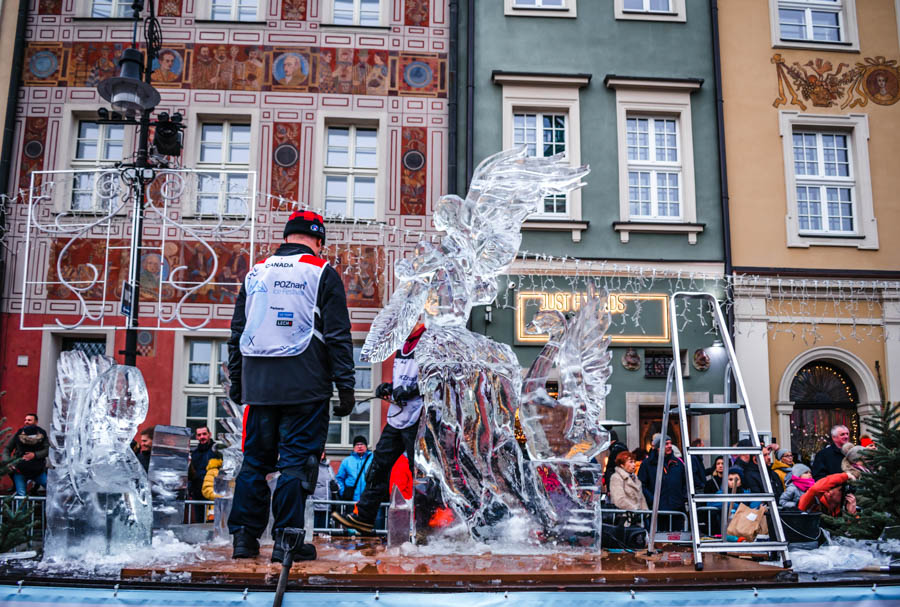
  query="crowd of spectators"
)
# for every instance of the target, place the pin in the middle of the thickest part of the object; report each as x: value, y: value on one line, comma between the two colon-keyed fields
x: 823, y: 485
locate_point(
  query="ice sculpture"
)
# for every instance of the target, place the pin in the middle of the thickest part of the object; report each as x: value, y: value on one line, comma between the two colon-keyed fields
x: 399, y: 519
x: 564, y: 435
x: 98, y: 496
x: 471, y: 384
x: 232, y: 457
x: 170, y: 459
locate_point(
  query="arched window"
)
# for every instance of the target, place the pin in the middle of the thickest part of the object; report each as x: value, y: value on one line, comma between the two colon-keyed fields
x: 823, y: 396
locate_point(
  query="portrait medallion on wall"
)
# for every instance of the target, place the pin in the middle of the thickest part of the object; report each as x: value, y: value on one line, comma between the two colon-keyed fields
x: 168, y: 67
x: 291, y: 69
x: 882, y: 83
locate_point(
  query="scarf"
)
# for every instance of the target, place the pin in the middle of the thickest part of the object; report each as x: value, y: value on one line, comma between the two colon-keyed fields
x: 803, y: 484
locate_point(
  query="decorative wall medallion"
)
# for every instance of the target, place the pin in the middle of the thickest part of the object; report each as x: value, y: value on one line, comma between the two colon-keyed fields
x: 286, y: 155
x: 418, y: 74
x: 881, y: 81
x: 631, y: 360
x: 33, y: 149
x: 414, y: 160
x: 701, y: 359
x: 43, y: 64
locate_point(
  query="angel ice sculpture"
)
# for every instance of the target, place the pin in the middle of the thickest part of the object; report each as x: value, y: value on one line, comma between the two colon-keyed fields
x: 470, y: 383
x: 98, y: 495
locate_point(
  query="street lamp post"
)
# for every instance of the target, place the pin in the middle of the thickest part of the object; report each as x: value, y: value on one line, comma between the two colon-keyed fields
x: 129, y: 94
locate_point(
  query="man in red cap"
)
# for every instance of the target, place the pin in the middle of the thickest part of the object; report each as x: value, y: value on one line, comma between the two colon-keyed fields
x: 397, y: 438
x: 290, y: 344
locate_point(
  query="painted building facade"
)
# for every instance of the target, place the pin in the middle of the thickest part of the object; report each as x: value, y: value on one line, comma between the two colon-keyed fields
x: 338, y: 104
x: 811, y: 115
x: 626, y: 87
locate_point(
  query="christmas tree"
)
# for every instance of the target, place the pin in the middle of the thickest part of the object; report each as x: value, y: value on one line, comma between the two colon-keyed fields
x: 878, y: 492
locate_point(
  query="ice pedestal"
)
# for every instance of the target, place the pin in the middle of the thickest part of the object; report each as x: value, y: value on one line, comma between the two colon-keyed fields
x: 223, y: 486
x: 98, y: 495
x: 399, y: 519
x: 170, y: 459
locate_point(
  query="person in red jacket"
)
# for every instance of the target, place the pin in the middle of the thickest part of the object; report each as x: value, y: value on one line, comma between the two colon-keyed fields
x: 829, y: 496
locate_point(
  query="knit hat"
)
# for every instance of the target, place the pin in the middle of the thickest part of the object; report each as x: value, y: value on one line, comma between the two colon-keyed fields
x: 781, y: 453
x: 359, y: 438
x: 655, y: 441
x: 305, y: 222
x: 799, y: 470
x: 745, y: 442
x: 854, y: 453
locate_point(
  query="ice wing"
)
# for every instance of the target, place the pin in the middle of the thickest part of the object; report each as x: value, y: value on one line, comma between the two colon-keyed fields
x: 395, y: 321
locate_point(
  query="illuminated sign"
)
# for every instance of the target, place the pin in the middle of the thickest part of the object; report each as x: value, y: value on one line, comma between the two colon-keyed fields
x: 653, y: 317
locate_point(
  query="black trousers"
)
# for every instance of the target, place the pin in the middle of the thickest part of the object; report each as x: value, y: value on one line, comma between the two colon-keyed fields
x: 391, y: 445
x: 277, y: 437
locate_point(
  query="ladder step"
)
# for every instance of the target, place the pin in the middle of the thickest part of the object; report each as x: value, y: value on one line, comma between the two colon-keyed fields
x: 710, y: 408
x: 733, y: 497
x: 720, y: 546
x: 724, y: 450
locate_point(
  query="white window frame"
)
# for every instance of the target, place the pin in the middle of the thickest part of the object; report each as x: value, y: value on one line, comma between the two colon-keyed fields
x: 654, y: 167
x: 212, y: 391
x: 848, y: 20
x: 677, y: 12
x: 362, y: 119
x: 195, y: 118
x: 539, y: 116
x: 328, y: 14
x: 203, y: 11
x: 661, y: 99
x: 568, y: 9
x: 539, y: 94
x: 123, y: 6
x: 856, y: 126
x: 65, y: 154
x: 345, y: 446
x: 350, y: 173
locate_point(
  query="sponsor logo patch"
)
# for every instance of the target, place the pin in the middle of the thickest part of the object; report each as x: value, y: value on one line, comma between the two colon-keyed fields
x: 285, y: 315
x: 284, y: 323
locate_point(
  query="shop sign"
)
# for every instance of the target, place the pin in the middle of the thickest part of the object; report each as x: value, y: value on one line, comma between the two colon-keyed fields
x: 650, y: 326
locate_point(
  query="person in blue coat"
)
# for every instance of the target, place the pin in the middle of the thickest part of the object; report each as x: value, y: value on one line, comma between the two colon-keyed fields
x: 351, y: 476
x: 673, y: 490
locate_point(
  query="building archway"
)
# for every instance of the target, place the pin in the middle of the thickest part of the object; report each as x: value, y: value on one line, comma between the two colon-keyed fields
x: 834, y: 386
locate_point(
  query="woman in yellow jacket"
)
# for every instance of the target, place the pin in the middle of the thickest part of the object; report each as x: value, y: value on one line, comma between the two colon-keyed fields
x: 212, y: 471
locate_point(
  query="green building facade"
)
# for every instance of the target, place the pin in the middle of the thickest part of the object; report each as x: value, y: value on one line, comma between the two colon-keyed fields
x: 627, y: 87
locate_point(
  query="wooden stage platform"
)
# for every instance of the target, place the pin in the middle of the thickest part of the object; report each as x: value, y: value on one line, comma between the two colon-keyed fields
x: 347, y: 564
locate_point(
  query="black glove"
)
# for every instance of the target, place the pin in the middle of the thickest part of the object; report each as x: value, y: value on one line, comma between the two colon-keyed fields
x: 384, y: 390
x: 405, y: 393
x: 347, y: 400
x: 234, y: 393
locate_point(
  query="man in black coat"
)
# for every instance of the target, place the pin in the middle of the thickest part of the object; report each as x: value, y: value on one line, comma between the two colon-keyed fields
x: 29, y: 443
x: 290, y: 346
x: 749, y: 466
x: 200, y: 456
x: 673, y: 490
x: 828, y: 460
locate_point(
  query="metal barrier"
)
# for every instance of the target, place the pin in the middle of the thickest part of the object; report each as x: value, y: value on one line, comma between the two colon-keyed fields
x: 642, y: 519
x: 316, y: 517
x: 36, y: 520
x: 198, y: 511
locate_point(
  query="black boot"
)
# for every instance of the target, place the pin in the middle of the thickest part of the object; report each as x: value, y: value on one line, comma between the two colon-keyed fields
x: 246, y: 545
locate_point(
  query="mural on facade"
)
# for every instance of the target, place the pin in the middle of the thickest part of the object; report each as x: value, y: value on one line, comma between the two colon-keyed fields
x: 169, y: 67
x: 169, y: 8
x: 158, y: 266
x: 413, y: 173
x: 89, y: 63
x: 293, y: 10
x: 415, y: 13
x: 824, y: 85
x: 237, y: 67
x: 285, y: 161
x: 362, y: 269
x: 32, y: 150
x: 49, y: 7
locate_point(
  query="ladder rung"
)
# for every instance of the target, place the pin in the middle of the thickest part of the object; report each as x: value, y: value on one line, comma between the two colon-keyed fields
x: 733, y: 497
x: 709, y: 408
x: 720, y: 546
x: 724, y: 450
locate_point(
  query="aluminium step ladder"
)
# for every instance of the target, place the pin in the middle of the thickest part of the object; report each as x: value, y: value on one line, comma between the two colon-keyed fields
x: 685, y: 409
